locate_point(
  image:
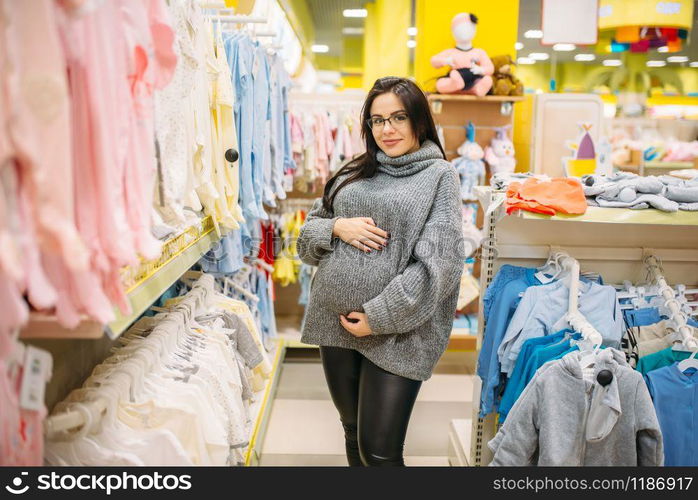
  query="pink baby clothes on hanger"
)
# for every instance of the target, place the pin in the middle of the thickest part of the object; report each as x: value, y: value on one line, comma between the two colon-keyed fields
x: 14, y: 312
x: 321, y: 151
x: 357, y: 144
x: 347, y: 149
x: 21, y: 434
x: 39, y: 291
x: 151, y: 62
x: 39, y: 123
x: 100, y: 97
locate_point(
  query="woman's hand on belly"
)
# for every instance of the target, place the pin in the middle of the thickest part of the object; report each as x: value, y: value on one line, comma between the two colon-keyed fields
x: 360, y: 232
x: 359, y: 327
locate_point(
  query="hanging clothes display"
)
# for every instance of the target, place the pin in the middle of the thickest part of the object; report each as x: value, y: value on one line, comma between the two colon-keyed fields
x: 564, y: 399
x: 147, y: 99
x: 322, y: 140
x: 198, y: 365
x: 565, y: 417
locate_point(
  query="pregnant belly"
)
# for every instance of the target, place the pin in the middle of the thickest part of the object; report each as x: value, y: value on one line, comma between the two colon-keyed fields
x: 347, y: 278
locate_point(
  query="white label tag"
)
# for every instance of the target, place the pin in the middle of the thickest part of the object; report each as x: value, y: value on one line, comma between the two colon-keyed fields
x: 543, y: 278
x: 38, y: 366
x: 288, y: 182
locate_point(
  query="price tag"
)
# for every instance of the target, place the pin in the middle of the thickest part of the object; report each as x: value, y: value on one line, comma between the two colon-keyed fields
x: 38, y: 366
x: 288, y: 182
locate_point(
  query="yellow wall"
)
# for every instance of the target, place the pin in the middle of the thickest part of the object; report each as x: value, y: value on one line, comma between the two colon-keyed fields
x: 496, y: 31
x: 689, y: 77
x: 534, y: 77
x: 615, y: 13
x: 352, y: 52
x: 521, y: 137
x: 385, y: 40
x: 352, y: 81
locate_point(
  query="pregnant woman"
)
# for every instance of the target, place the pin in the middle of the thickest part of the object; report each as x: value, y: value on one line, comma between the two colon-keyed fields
x: 387, y: 239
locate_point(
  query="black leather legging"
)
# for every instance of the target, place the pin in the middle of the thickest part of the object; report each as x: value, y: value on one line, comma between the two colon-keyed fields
x: 374, y: 406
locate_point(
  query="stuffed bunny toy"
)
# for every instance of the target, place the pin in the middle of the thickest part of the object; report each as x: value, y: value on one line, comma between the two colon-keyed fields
x: 469, y: 164
x: 470, y: 67
x: 499, y: 155
x: 681, y: 151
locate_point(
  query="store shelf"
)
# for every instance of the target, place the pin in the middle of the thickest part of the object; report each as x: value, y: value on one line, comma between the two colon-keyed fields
x: 143, y: 283
x: 462, y: 339
x: 622, y: 216
x: 261, y: 408
x: 487, y: 98
x: 669, y: 165
x: 459, y: 439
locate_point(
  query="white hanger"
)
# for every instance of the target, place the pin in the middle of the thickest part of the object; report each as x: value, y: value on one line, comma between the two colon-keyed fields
x: 690, y: 362
x: 571, y: 267
x: 549, y: 269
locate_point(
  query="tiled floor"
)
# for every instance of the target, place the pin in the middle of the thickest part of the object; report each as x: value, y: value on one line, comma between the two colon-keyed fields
x: 304, y: 427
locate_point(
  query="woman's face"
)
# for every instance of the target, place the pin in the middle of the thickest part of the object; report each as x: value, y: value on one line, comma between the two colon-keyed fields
x: 394, y: 137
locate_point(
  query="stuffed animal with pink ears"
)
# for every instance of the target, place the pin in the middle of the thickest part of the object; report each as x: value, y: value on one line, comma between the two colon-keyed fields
x: 470, y: 67
x: 681, y: 151
x: 499, y: 155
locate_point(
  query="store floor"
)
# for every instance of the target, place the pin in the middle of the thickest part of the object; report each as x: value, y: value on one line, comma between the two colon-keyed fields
x: 304, y: 426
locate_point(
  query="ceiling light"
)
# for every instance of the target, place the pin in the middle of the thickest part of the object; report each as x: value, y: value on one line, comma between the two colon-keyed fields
x: 677, y: 59
x: 352, y: 31
x: 539, y: 56
x: 612, y: 62
x: 412, y: 43
x: 656, y: 64
x: 663, y: 49
x: 320, y: 49
x: 694, y: 64
x: 533, y: 34
x: 564, y: 47
x: 518, y: 45
x: 525, y: 60
x: 412, y: 31
x: 355, y: 13
x: 584, y: 57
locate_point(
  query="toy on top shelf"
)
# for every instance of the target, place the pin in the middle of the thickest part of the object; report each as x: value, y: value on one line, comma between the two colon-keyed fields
x: 470, y: 67
x: 469, y: 164
x: 499, y: 155
x: 681, y: 151
x: 584, y: 161
x: 504, y: 80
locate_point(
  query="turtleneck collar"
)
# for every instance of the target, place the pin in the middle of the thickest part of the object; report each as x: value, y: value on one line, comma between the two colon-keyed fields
x: 409, y: 163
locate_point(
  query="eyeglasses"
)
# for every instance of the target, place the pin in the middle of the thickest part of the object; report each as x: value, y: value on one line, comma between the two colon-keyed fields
x: 397, y: 121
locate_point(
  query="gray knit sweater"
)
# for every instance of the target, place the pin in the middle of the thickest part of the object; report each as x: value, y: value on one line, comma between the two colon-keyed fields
x: 409, y: 289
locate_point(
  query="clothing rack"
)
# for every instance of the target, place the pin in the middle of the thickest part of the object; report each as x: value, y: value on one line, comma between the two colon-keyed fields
x: 614, y: 242
x: 667, y: 293
x: 89, y: 413
x: 574, y: 317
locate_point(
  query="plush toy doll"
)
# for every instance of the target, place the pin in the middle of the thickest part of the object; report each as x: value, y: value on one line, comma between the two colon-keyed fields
x: 499, y: 155
x: 504, y: 80
x: 681, y: 151
x: 470, y: 67
x: 469, y: 164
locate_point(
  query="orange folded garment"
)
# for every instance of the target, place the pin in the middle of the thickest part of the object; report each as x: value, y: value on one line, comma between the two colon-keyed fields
x: 560, y: 194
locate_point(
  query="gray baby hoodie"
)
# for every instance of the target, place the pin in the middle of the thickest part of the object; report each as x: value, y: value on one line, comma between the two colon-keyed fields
x: 561, y: 419
x: 409, y: 289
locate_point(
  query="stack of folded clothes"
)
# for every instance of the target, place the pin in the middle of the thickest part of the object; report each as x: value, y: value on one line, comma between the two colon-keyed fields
x: 627, y: 190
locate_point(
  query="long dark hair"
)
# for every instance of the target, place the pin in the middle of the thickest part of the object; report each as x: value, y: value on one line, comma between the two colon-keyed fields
x: 365, y: 166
